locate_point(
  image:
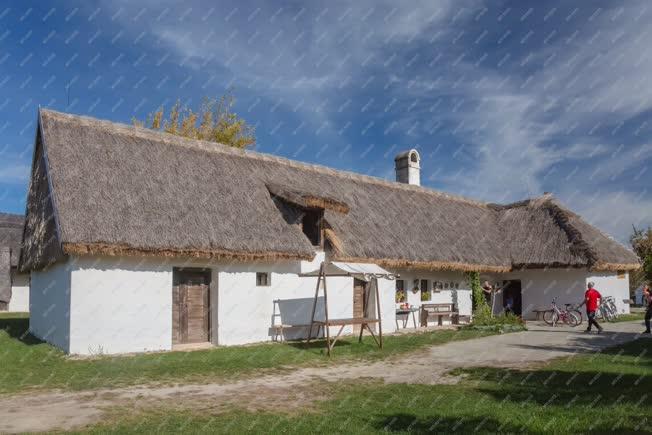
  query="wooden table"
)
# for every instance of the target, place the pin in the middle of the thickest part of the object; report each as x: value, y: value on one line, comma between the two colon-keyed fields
x: 407, y: 312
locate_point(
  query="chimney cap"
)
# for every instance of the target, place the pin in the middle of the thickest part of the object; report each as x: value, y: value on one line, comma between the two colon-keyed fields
x: 412, y: 155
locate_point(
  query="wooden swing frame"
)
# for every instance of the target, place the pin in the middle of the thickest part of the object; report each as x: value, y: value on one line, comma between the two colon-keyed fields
x: 364, y: 321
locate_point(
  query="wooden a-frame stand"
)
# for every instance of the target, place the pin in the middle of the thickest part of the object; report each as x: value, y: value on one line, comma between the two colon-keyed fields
x: 364, y: 322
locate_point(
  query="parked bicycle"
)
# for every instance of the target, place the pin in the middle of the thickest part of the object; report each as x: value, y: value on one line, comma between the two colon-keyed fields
x: 607, y: 309
x: 576, y: 310
x: 555, y: 314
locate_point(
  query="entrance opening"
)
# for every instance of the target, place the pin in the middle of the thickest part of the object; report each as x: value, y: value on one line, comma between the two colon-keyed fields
x: 191, y: 305
x: 359, y: 301
x: 512, y: 296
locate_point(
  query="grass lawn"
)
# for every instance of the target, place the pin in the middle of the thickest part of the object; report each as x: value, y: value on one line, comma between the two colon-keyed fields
x: 606, y: 392
x: 28, y: 363
x: 630, y: 317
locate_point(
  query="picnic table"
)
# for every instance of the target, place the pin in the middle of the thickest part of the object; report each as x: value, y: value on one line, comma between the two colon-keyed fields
x: 406, y: 312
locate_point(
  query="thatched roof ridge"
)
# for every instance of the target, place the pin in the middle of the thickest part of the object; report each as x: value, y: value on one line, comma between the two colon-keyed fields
x: 123, y: 190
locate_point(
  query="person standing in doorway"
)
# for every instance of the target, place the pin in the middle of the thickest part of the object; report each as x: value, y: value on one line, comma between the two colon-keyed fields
x: 592, y: 300
x: 647, y: 298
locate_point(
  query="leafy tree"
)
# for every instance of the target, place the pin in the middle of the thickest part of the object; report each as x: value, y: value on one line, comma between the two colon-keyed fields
x: 214, y: 122
x: 641, y: 241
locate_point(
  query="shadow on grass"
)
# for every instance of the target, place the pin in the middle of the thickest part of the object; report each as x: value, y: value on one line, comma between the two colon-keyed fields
x: 617, y: 376
x: 403, y: 422
x: 316, y: 344
x: 18, y: 329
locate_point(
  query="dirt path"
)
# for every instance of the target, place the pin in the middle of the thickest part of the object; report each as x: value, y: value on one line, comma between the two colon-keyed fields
x: 68, y: 410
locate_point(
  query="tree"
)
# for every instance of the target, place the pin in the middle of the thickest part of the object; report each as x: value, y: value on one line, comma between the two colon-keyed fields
x: 214, y: 122
x: 641, y: 241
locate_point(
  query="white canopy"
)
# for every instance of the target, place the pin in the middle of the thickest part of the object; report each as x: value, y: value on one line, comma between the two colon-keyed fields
x: 362, y: 271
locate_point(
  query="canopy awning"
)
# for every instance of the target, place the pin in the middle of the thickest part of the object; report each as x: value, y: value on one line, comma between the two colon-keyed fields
x: 362, y: 271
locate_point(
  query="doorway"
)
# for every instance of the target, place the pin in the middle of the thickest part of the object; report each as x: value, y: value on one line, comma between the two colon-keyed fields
x: 512, y: 292
x: 191, y: 306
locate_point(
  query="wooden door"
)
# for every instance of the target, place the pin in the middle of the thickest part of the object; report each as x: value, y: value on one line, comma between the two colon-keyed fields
x: 191, y: 309
x: 359, y: 303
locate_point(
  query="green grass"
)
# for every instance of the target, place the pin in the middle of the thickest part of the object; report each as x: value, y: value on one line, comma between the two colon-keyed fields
x: 28, y: 363
x: 630, y: 317
x: 606, y: 392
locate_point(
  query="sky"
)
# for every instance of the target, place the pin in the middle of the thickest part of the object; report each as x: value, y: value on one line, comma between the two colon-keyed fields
x: 504, y: 100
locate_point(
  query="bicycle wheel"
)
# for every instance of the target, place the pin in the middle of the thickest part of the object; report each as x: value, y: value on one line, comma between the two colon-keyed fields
x: 550, y: 317
x: 571, y: 319
x: 579, y: 315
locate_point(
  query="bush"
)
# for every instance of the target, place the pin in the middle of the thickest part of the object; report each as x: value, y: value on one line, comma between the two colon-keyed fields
x: 483, y: 321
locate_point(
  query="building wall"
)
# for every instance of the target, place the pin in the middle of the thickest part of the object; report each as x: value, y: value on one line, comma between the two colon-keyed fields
x: 93, y: 305
x: 120, y: 305
x: 540, y: 286
x: 50, y: 304
x: 19, y: 293
x: 247, y: 312
x: 460, y: 297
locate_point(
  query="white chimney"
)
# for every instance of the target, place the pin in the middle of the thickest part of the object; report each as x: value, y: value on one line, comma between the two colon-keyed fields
x: 407, y: 167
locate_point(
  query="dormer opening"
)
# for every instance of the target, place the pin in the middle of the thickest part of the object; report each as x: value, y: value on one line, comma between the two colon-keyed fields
x: 312, y: 226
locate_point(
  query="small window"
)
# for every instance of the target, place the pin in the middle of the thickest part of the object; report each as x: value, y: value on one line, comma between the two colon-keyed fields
x: 263, y: 279
x: 400, y: 291
x: 425, y: 290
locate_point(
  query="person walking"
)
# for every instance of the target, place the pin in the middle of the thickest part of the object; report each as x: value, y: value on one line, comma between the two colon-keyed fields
x: 647, y: 297
x: 592, y: 300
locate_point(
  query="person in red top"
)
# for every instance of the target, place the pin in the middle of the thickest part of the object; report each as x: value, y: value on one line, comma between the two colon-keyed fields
x: 647, y: 293
x: 592, y: 299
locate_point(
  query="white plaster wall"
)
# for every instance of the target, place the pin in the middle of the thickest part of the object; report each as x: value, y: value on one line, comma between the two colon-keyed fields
x: 50, y: 304
x: 246, y: 311
x: 540, y: 286
x: 463, y: 294
x: 19, y: 293
x: 120, y: 305
x: 608, y: 284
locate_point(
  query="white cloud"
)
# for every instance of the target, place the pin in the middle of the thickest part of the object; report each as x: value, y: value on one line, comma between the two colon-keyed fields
x: 14, y: 173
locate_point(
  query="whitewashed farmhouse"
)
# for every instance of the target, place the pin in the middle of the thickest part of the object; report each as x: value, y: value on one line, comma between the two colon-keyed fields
x: 14, y: 286
x: 138, y: 241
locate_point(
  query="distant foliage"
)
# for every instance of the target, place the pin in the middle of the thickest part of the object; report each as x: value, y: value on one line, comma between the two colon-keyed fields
x: 214, y: 122
x: 641, y: 241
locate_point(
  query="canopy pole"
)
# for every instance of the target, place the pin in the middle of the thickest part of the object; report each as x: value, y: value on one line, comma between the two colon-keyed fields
x: 326, y: 325
x: 374, y: 281
x: 314, y: 302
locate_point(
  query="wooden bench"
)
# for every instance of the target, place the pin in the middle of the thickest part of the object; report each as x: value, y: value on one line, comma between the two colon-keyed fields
x: 430, y: 311
x: 539, y: 312
x: 279, y: 330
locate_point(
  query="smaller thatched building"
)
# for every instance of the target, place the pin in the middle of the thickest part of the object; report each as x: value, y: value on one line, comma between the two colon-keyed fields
x: 138, y: 240
x: 14, y: 286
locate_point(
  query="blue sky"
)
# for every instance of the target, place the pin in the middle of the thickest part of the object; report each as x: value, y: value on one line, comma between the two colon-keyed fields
x: 504, y: 100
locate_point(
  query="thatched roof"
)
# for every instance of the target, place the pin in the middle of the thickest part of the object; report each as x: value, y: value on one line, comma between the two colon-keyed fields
x: 11, y: 234
x: 119, y: 189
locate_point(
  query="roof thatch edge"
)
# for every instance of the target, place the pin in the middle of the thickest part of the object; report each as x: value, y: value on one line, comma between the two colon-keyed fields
x: 115, y: 250
x: 427, y: 265
x: 615, y: 267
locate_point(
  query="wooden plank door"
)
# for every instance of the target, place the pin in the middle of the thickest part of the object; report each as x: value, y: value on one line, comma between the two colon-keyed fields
x: 191, y: 309
x: 358, y: 301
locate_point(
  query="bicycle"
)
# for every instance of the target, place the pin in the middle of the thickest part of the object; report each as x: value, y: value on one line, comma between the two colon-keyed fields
x: 607, y: 310
x: 575, y: 309
x: 553, y: 316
